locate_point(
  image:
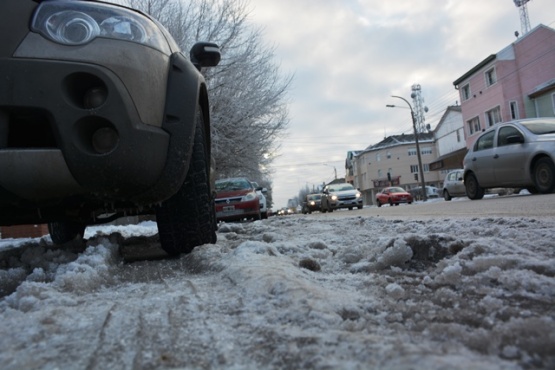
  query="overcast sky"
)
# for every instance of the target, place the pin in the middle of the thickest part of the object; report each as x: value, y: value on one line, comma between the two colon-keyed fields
x: 349, y: 56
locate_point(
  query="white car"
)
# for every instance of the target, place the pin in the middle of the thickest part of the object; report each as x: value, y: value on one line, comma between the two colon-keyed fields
x: 335, y: 196
x: 260, y: 191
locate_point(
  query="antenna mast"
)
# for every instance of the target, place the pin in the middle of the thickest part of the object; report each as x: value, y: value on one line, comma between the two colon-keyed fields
x: 419, y: 108
x: 524, y: 19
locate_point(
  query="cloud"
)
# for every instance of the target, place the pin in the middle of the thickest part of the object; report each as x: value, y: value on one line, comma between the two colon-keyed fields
x: 350, y: 56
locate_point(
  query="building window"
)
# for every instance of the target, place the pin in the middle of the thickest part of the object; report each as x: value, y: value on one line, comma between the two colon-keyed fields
x: 553, y: 100
x: 491, y: 77
x: 413, y: 168
x: 412, y: 151
x: 378, y: 157
x: 465, y: 92
x: 458, y: 136
x: 473, y: 125
x: 426, y: 150
x: 379, y: 174
x: 513, y: 106
x: 493, y: 116
x: 426, y: 167
x: 388, y: 155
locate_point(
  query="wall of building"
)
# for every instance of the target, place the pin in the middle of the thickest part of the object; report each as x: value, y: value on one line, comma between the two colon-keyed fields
x: 374, y: 165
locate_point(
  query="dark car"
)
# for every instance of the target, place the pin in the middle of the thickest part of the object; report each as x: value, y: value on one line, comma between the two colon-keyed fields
x: 343, y: 195
x: 393, y: 196
x: 312, y: 203
x: 102, y: 115
x: 237, y: 199
x: 516, y: 154
x: 453, y: 185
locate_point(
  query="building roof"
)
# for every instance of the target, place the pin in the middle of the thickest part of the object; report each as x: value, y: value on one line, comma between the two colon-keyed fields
x: 403, y: 139
x: 503, y: 54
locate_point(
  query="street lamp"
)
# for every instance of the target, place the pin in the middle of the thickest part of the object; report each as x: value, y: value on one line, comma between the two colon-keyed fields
x: 420, y: 168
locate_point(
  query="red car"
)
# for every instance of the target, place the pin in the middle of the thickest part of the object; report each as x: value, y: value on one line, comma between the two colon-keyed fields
x: 236, y: 199
x: 393, y: 195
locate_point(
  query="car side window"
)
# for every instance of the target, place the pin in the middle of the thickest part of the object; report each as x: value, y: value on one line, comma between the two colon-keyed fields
x: 504, y: 133
x: 485, y: 141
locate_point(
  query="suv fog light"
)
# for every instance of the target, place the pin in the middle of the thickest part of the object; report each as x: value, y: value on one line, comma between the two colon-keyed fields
x: 94, y: 97
x: 104, y: 140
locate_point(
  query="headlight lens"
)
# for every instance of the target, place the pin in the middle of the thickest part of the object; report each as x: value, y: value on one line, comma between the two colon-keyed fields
x: 249, y: 196
x: 334, y: 197
x: 78, y: 23
x: 358, y: 195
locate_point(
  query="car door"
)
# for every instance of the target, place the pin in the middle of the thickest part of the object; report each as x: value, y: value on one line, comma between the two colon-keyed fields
x: 456, y: 183
x: 482, y: 161
x: 510, y: 161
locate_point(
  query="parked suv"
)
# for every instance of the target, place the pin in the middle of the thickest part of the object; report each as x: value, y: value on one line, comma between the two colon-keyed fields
x: 335, y: 196
x: 102, y: 115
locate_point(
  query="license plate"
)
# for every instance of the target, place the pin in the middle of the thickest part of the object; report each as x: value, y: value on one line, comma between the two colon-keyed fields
x: 229, y: 209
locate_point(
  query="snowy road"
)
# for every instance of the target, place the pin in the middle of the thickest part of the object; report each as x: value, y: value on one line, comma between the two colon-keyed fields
x: 345, y: 291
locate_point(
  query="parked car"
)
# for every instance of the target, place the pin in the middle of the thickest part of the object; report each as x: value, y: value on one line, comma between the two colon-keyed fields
x: 393, y: 196
x: 516, y: 154
x: 236, y: 199
x: 453, y: 185
x: 336, y: 196
x: 431, y: 192
x: 261, y: 192
x: 102, y: 115
x: 312, y: 203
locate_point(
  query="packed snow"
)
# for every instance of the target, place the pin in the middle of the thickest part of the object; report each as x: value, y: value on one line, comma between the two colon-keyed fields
x: 292, y: 292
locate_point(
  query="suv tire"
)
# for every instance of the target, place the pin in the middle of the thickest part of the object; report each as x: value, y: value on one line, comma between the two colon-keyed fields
x: 188, y: 218
x: 66, y: 231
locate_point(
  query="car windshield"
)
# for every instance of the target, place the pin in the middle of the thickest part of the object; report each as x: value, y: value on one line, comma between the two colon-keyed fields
x: 540, y: 128
x: 341, y: 187
x: 314, y: 197
x: 232, y: 184
x: 396, y: 190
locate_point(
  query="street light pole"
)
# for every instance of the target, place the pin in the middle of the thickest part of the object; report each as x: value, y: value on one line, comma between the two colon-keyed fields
x: 420, y: 168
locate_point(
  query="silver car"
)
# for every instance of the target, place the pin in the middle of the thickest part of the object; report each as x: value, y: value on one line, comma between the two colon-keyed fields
x: 516, y: 154
x: 453, y: 185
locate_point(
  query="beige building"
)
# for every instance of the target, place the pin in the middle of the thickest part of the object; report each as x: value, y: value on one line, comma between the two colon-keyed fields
x: 394, y: 161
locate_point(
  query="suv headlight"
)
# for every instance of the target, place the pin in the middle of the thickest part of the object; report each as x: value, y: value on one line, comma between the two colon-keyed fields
x: 357, y: 195
x: 78, y: 23
x: 334, y: 197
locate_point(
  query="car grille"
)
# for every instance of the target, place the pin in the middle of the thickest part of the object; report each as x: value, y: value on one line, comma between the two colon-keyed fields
x: 228, y: 200
x: 346, y: 197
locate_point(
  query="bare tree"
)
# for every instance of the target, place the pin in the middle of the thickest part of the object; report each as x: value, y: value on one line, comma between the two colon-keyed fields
x: 247, y: 90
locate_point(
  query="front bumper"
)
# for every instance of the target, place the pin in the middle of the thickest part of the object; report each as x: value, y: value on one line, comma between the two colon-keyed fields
x: 346, y: 203
x: 46, y: 131
x: 236, y: 211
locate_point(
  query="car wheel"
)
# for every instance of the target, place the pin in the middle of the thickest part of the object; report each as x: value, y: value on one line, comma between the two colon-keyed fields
x: 378, y: 203
x: 359, y: 207
x: 66, y: 231
x: 544, y: 176
x: 473, y: 190
x: 390, y: 203
x: 264, y: 215
x: 350, y: 208
x: 446, y: 195
x: 188, y: 218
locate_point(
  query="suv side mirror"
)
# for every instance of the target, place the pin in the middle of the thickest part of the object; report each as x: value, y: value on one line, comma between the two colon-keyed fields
x: 205, y: 54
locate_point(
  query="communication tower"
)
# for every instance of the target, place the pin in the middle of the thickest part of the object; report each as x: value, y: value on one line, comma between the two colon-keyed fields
x: 419, y: 108
x: 524, y: 19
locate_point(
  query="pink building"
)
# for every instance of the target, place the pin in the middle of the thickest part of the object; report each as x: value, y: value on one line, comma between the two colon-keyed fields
x: 518, y: 82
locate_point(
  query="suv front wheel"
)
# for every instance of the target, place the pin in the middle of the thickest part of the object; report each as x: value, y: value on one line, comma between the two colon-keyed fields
x: 188, y: 218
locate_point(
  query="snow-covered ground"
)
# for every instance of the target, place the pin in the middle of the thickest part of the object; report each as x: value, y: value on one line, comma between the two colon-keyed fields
x: 294, y: 292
